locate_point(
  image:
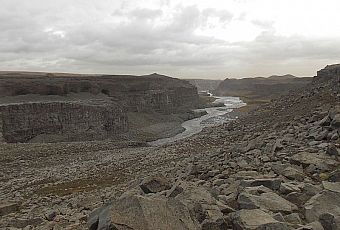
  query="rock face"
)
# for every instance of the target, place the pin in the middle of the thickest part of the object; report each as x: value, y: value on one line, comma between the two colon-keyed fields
x: 328, y: 73
x: 261, y: 87
x: 64, y: 120
x: 137, y: 93
x: 50, y: 110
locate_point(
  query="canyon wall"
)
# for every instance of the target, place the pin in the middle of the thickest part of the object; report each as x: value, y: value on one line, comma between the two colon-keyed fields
x: 261, y: 87
x: 63, y: 121
x: 137, y: 93
x: 38, y: 106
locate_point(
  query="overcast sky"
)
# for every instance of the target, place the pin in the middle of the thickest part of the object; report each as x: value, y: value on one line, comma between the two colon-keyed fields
x: 187, y: 39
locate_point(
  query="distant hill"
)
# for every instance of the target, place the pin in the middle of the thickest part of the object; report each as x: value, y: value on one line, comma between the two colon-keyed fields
x: 204, y: 84
x: 261, y: 87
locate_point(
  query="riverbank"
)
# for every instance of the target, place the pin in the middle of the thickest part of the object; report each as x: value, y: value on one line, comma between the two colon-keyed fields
x: 215, y: 116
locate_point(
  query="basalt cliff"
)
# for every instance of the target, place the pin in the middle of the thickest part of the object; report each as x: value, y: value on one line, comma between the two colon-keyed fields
x: 69, y: 107
x: 261, y: 87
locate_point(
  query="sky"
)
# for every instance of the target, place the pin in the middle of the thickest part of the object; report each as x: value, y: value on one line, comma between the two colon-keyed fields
x: 211, y: 39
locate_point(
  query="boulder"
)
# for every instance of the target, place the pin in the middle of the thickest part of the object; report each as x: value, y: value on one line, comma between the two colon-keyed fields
x: 324, y: 202
x: 193, y: 207
x: 268, y: 201
x: 255, y: 219
x: 143, y: 213
x: 305, y: 159
x: 155, y: 184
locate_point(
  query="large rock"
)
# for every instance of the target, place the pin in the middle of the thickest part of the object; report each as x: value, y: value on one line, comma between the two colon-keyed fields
x: 194, y: 207
x: 305, y: 159
x: 144, y: 213
x: 255, y: 219
x: 155, y: 184
x: 324, y: 202
x: 268, y: 200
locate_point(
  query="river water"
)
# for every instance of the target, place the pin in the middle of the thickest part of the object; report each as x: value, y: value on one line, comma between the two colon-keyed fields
x: 214, y: 116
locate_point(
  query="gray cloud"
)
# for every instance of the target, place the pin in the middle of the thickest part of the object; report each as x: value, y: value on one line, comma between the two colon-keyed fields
x: 48, y: 37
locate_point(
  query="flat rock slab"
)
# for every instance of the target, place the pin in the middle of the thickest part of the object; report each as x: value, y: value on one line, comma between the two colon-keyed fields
x: 306, y: 159
x: 268, y: 201
x: 255, y: 219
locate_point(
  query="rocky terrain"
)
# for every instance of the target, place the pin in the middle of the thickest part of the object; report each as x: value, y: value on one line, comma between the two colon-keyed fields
x: 67, y: 107
x: 276, y: 167
x: 261, y: 87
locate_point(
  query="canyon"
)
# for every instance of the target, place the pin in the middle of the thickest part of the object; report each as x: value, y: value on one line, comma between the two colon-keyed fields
x: 276, y: 166
x: 53, y: 107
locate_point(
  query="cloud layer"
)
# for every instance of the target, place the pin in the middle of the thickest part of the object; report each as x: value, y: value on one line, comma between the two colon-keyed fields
x: 238, y: 38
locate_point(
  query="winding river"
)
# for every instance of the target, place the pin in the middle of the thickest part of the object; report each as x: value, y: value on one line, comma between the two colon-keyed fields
x: 214, y: 116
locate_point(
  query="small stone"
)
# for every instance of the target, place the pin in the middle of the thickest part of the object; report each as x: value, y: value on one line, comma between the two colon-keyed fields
x: 272, y: 183
x: 50, y: 215
x: 332, y: 150
x: 8, y: 207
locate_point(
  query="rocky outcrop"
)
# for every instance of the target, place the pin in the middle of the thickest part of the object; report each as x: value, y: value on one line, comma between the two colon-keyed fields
x: 64, y: 121
x: 328, y: 73
x: 328, y: 77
